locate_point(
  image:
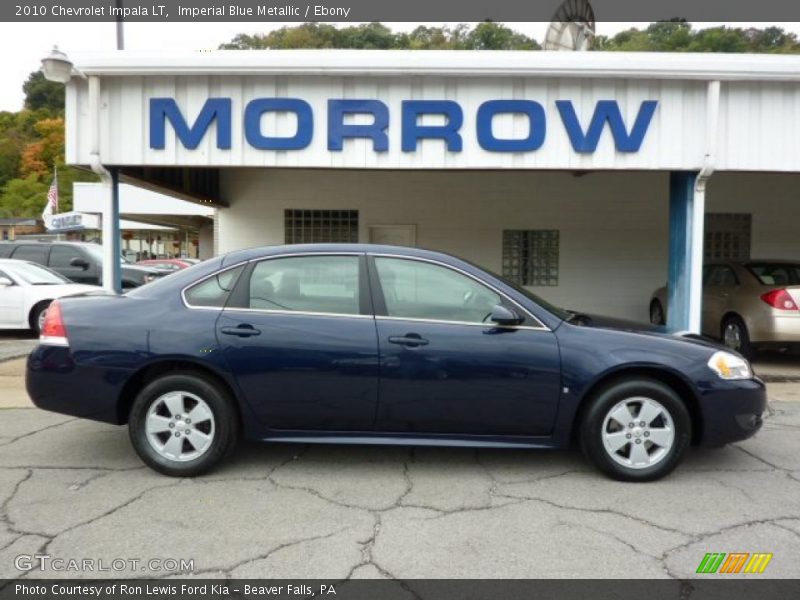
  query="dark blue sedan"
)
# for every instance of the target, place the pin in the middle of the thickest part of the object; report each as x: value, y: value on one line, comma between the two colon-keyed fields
x: 381, y: 345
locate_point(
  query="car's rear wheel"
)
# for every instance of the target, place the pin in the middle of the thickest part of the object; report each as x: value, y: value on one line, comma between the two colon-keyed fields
x: 736, y: 337
x: 36, y: 317
x: 636, y: 430
x: 183, y: 424
x: 657, y: 313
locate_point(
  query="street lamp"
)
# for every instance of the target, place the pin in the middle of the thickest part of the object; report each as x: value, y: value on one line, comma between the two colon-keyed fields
x: 57, y: 67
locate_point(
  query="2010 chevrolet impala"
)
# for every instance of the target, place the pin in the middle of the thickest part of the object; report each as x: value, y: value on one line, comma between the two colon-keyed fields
x: 381, y: 345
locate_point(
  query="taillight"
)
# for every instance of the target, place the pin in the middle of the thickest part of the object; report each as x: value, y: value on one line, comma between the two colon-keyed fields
x: 53, y: 332
x: 779, y: 299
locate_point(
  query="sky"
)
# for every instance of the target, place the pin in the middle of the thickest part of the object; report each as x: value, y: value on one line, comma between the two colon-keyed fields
x: 23, y: 45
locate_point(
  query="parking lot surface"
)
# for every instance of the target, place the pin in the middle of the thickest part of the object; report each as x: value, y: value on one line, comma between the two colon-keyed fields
x: 75, y: 489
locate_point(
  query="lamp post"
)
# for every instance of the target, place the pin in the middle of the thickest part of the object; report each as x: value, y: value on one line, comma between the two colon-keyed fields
x: 57, y: 67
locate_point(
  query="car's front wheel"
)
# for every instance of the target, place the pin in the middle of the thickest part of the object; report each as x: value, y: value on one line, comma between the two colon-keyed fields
x: 183, y: 424
x: 37, y: 315
x: 636, y: 430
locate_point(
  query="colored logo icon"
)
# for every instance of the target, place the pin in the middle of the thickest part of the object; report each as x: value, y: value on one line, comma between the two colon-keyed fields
x: 734, y: 562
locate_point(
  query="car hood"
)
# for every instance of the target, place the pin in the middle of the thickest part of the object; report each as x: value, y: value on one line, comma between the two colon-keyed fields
x: 660, y: 331
x: 140, y: 269
x: 69, y: 289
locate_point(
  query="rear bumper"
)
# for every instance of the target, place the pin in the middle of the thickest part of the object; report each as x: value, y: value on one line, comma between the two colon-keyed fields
x: 56, y: 383
x: 733, y: 413
x: 775, y: 327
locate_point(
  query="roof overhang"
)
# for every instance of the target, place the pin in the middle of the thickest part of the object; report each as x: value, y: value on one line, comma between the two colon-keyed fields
x: 447, y: 63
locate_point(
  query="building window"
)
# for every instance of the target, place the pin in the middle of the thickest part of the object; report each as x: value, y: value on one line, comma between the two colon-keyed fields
x: 531, y: 257
x: 727, y: 236
x: 321, y: 226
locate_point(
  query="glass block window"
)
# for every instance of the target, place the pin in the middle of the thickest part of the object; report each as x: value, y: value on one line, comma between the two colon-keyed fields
x: 727, y: 236
x: 321, y: 226
x: 531, y: 257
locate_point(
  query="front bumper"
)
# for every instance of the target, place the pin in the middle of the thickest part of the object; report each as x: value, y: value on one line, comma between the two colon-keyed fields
x: 732, y: 412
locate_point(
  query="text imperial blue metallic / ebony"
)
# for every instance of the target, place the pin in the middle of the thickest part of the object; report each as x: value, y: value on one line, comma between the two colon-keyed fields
x: 381, y: 345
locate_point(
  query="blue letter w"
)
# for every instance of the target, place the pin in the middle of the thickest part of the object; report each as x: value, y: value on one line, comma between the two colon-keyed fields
x: 606, y: 111
x: 163, y: 109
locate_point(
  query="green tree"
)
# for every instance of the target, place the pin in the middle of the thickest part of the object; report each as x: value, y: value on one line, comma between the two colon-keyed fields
x: 679, y: 36
x: 376, y: 36
x: 43, y: 94
x: 24, y: 197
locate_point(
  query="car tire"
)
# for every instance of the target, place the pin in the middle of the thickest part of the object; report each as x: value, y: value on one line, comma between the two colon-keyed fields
x: 657, y: 313
x: 166, y: 437
x: 628, y: 451
x: 735, y: 336
x: 36, y: 316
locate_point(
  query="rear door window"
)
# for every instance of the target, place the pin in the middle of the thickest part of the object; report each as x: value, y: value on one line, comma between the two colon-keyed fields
x: 314, y: 284
x: 33, y: 252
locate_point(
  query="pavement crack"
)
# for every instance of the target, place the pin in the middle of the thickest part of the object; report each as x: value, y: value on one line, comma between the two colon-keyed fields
x: 35, y: 431
x: 229, y: 569
x: 607, y: 511
x: 758, y: 458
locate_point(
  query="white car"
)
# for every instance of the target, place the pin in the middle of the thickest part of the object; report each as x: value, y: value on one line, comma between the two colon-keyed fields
x: 26, y: 290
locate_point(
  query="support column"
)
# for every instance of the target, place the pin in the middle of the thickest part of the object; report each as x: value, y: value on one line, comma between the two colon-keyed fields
x: 112, y: 275
x: 685, y: 272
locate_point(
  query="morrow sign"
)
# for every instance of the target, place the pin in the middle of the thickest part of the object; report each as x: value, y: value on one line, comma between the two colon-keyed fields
x: 584, y: 137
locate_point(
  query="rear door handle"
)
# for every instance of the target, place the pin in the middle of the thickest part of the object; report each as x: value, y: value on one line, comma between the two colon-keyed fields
x: 411, y: 339
x: 241, y: 330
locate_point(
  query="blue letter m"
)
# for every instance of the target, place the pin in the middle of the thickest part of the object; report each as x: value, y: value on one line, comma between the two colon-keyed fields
x: 164, y: 109
x: 606, y: 111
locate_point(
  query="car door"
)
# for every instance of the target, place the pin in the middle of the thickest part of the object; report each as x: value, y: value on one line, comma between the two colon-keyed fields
x: 62, y: 258
x: 12, y: 300
x: 444, y: 369
x: 298, y: 334
x: 717, y: 296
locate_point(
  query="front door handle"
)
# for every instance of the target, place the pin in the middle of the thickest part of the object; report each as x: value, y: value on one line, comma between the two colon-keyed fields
x: 412, y: 340
x: 242, y: 330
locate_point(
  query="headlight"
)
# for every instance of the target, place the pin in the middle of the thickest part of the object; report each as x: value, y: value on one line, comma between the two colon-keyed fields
x: 150, y: 277
x: 730, y: 366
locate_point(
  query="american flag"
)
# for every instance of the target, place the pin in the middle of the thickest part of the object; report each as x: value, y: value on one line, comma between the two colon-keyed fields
x: 51, y: 207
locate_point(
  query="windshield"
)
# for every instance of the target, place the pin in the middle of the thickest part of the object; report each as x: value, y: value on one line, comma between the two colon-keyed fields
x: 775, y: 273
x: 36, y: 275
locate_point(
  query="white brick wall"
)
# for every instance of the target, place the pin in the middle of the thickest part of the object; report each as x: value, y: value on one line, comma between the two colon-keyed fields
x: 613, y: 226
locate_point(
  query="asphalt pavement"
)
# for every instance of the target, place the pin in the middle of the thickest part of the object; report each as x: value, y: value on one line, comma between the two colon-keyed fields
x: 74, y: 489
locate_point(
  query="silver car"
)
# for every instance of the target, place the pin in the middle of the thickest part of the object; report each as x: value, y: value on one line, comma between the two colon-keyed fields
x: 747, y: 304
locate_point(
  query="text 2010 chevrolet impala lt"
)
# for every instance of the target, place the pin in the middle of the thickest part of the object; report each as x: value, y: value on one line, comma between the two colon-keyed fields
x: 380, y: 345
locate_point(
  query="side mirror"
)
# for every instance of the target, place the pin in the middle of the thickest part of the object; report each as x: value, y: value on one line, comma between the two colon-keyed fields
x: 5, y: 282
x: 505, y: 316
x: 79, y: 262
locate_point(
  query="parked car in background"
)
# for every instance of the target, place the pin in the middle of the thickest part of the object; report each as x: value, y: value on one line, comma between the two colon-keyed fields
x: 26, y: 290
x: 747, y: 305
x: 166, y: 264
x: 381, y: 345
x: 81, y: 262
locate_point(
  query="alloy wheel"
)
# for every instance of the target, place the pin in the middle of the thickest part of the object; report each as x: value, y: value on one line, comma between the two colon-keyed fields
x: 732, y: 336
x: 638, y: 432
x: 180, y: 426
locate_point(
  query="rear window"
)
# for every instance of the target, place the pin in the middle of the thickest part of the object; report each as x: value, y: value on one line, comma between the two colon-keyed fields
x: 775, y: 273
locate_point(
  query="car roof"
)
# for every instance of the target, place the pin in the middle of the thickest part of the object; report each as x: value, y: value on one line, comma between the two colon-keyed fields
x: 264, y: 251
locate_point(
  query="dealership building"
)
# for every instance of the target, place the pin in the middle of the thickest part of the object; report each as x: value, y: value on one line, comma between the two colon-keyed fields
x: 591, y: 178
